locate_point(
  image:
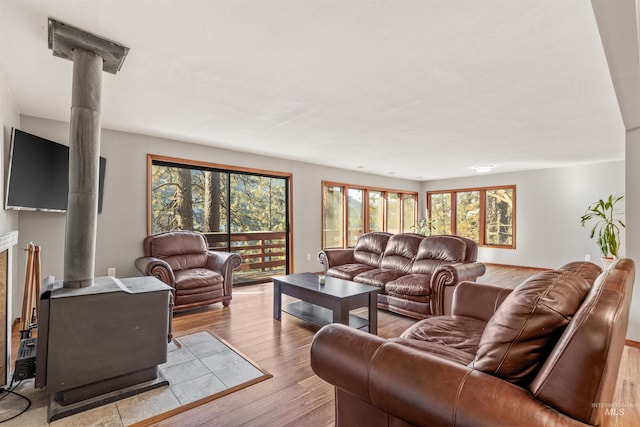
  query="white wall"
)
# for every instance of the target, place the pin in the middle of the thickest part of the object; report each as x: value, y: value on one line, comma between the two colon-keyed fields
x: 549, y: 204
x: 122, y: 223
x: 632, y: 182
x: 9, y: 118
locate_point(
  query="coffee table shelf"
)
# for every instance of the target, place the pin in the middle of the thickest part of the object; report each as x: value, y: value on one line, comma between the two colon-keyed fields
x: 328, y: 302
x: 320, y: 316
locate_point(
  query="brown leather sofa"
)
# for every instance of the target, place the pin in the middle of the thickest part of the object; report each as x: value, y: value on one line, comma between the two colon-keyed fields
x: 416, y: 274
x: 197, y: 276
x: 546, y: 353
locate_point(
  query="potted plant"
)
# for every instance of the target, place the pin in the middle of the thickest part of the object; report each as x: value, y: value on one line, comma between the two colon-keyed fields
x: 607, y: 226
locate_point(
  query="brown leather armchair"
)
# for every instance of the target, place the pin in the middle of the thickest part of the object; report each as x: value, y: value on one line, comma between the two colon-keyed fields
x: 196, y: 275
x: 546, y: 353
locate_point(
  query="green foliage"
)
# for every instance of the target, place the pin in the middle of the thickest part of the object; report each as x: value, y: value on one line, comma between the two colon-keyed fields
x: 424, y: 226
x: 393, y: 212
x: 499, y: 217
x: 607, y: 225
x: 257, y: 203
x: 355, y: 210
x: 468, y: 215
x: 376, y: 211
x: 333, y: 222
x: 441, y: 213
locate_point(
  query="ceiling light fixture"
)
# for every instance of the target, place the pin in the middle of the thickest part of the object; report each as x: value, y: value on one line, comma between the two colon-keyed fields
x: 483, y: 168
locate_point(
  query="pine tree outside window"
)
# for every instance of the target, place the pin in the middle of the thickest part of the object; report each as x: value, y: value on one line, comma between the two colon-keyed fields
x: 485, y: 215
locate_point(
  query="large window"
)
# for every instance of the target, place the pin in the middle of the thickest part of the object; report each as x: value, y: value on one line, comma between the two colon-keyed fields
x: 333, y: 206
x: 485, y: 215
x: 409, y: 208
x: 355, y: 209
x: 468, y: 214
x: 238, y: 210
x: 393, y: 213
x: 376, y: 210
x: 499, y: 222
x: 348, y: 211
x: 440, y: 212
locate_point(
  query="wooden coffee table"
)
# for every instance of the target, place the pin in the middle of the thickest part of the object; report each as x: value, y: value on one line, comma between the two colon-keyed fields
x: 326, y: 303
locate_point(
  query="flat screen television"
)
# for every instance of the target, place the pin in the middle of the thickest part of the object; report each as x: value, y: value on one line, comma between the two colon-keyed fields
x: 38, y: 177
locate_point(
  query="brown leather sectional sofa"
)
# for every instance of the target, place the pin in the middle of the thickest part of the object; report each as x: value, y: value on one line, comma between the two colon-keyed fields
x: 416, y: 274
x: 546, y: 353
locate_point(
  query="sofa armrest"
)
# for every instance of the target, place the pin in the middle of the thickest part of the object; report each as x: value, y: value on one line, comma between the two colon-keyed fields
x: 224, y: 263
x: 333, y: 257
x: 421, y: 388
x: 444, y: 280
x: 341, y: 357
x: 156, y: 267
x: 480, y: 301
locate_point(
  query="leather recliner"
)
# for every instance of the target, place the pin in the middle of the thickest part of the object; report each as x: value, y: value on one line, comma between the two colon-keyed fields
x: 546, y: 353
x: 197, y: 276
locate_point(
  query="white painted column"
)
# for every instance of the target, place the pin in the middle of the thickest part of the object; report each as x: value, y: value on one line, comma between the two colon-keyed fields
x: 632, y: 216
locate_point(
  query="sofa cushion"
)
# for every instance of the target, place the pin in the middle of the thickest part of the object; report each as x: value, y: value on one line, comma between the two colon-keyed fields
x: 197, y: 297
x: 435, y: 251
x: 585, y: 269
x: 437, y: 349
x: 377, y: 277
x: 180, y: 250
x: 196, y: 278
x: 471, y: 253
x: 461, y: 333
x: 187, y: 261
x: 400, y: 252
x: 527, y: 324
x: 370, y: 247
x: 348, y: 271
x: 177, y: 243
x: 411, y: 284
x: 406, y: 299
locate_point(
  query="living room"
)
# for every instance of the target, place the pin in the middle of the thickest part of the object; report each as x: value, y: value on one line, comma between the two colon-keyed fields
x: 550, y: 200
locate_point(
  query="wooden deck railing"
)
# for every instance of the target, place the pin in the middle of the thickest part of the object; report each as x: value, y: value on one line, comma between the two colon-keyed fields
x: 263, y: 253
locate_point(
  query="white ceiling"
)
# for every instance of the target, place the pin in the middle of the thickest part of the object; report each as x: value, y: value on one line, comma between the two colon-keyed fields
x: 421, y: 89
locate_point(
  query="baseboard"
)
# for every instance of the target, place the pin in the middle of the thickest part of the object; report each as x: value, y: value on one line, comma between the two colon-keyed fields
x: 515, y: 266
x: 632, y: 343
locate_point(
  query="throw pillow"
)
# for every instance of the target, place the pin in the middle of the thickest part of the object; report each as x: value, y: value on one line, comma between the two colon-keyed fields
x: 527, y: 324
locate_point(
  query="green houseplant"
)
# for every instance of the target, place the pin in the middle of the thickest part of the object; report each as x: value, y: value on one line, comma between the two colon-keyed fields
x: 607, y: 224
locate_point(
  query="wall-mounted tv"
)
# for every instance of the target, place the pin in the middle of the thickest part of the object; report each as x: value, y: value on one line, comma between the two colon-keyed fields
x: 38, y: 177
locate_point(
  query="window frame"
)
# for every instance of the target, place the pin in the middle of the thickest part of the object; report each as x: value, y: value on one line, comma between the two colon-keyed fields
x: 151, y: 158
x: 483, y: 211
x: 365, y: 209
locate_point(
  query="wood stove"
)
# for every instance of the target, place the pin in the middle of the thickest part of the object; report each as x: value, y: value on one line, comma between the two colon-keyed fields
x: 97, y: 344
x: 99, y: 338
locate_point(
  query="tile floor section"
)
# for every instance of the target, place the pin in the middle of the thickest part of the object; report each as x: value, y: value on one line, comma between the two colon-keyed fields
x: 198, y: 367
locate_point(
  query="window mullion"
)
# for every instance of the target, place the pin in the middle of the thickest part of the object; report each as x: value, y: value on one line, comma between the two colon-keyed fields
x: 482, y: 216
x: 454, y: 213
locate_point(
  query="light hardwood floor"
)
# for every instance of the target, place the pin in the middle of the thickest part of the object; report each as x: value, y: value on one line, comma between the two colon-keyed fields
x: 295, y: 396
